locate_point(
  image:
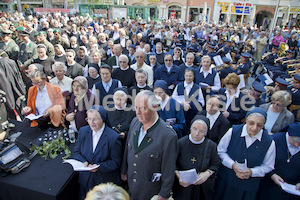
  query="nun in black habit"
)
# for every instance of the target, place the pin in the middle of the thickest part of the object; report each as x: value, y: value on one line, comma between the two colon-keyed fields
x: 195, y: 151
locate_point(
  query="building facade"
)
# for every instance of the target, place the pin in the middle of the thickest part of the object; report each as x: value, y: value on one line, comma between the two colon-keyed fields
x: 258, y: 12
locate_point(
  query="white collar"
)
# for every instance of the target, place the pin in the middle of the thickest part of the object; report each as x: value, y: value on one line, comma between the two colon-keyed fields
x: 122, y: 107
x: 214, y: 116
x: 141, y: 86
x: 185, y: 84
x: 236, y: 94
x: 196, y: 142
x: 209, y: 70
x: 124, y: 69
x: 100, y: 131
x: 245, y: 133
x: 44, y: 89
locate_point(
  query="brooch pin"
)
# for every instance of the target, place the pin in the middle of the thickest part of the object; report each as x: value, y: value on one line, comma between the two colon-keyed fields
x: 149, y: 140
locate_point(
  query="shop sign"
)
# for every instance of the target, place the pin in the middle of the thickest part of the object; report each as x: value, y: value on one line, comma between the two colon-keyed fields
x: 50, y: 10
x: 102, y: 2
x: 292, y: 9
x: 235, y: 4
x: 236, y: 9
x: 100, y: 12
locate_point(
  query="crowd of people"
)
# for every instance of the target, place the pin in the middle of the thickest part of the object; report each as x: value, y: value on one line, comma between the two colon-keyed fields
x: 150, y: 100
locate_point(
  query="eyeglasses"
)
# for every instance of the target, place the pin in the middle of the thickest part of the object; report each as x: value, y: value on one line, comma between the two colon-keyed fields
x: 92, y: 119
x: 122, y: 62
x: 277, y: 104
x: 201, y: 132
x: 168, y: 60
x: 252, y: 123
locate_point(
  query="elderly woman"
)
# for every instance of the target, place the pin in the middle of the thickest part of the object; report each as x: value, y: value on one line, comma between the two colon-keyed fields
x: 124, y: 73
x: 278, y: 115
x: 60, y: 54
x: 98, y: 144
x: 247, y: 153
x: 195, y: 151
x: 120, y: 114
x: 93, y: 75
x: 170, y: 110
x: 81, y: 100
x: 45, y: 99
x: 141, y: 79
x: 232, y: 96
x: 287, y: 165
x: 60, y: 80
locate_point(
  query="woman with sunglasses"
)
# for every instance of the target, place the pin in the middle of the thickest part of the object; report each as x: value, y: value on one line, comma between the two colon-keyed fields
x: 278, y: 115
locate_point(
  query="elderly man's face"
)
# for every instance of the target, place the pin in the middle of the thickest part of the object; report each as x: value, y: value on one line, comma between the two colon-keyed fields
x: 254, y: 125
x: 123, y: 63
x: 212, y: 106
x: 168, y: 60
x: 144, y: 112
x: 117, y: 50
x: 139, y: 57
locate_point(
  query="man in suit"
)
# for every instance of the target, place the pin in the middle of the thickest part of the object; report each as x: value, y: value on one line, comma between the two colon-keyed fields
x: 219, y: 124
x: 98, y: 144
x: 151, y: 151
x: 113, y: 61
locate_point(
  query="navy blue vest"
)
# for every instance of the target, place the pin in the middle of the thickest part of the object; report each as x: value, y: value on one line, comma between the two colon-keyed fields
x: 102, y: 91
x: 254, y: 155
x: 289, y: 171
x: 210, y: 78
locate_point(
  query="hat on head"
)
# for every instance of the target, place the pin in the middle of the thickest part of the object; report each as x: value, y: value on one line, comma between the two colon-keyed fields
x: 19, y: 28
x: 191, y: 48
x: 5, y: 32
x: 290, y: 51
x: 24, y: 33
x: 56, y: 30
x: 36, y: 34
x: 203, y: 118
x: 211, y: 46
x: 282, y: 82
x: 293, y: 129
x: 123, y: 89
x: 275, y: 47
x: 42, y: 32
x: 228, y: 41
x: 226, y: 60
x: 246, y: 55
x: 162, y: 84
x: 103, y: 114
x: 258, y: 87
x: 256, y: 110
x: 296, y: 78
x: 95, y: 66
x: 82, y: 80
x: 132, y: 46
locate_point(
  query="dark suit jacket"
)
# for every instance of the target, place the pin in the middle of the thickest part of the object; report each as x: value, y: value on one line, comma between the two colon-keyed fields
x: 108, y: 155
x: 219, y: 128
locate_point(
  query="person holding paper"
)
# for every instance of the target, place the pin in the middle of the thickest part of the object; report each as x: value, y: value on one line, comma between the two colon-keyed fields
x: 249, y: 145
x: 205, y: 74
x: 287, y: 165
x: 45, y: 99
x: 98, y: 144
x: 195, y: 151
